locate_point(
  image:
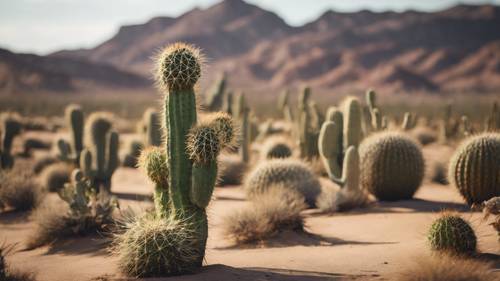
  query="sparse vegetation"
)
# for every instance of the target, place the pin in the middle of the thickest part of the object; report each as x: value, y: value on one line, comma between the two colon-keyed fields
x: 6, y: 272
x: 18, y: 190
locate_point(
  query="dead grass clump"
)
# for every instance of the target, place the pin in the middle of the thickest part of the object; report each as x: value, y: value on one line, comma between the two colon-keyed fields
x: 270, y: 213
x: 55, y: 176
x: 447, y: 268
x: 18, y: 190
x: 6, y: 272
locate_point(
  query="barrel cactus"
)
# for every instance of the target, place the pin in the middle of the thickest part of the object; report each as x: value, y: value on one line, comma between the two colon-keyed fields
x: 184, y: 170
x: 291, y: 173
x: 10, y: 126
x: 276, y: 147
x: 392, y: 166
x: 474, y: 168
x: 451, y: 233
x: 99, y: 159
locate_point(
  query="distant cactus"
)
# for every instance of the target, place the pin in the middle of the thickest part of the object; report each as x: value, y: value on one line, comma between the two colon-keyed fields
x: 70, y: 151
x: 151, y: 128
x: 184, y: 172
x: 307, y: 126
x: 227, y: 103
x: 474, y: 168
x: 448, y: 126
x: 10, y: 126
x: 215, y: 96
x: 276, y: 147
x: 244, y: 149
x: 377, y: 121
x: 291, y: 173
x: 392, y: 166
x: 131, y: 155
x: 493, y: 120
x: 409, y: 121
x: 450, y: 233
x: 284, y: 106
x: 99, y: 159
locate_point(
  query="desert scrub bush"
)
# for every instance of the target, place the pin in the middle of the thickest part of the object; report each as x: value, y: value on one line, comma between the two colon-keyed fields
x: 292, y: 174
x: 231, y: 169
x: 84, y: 212
x: 276, y: 147
x: 447, y: 268
x: 271, y: 212
x: 18, y: 190
x: 6, y: 272
x: 474, y: 168
x: 450, y: 233
x: 392, y: 166
x: 55, y: 176
x: 10, y: 126
x: 184, y: 171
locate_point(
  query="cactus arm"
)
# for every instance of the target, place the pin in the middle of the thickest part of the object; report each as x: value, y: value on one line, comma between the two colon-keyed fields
x: 330, y: 147
x: 204, y: 177
x: 64, y: 150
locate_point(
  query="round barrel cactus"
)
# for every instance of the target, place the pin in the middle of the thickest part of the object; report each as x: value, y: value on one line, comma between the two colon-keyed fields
x: 291, y: 173
x: 474, y: 168
x: 276, y: 148
x: 392, y: 166
x: 453, y: 234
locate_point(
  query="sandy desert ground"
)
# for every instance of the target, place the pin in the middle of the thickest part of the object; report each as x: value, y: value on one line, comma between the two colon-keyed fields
x: 374, y: 243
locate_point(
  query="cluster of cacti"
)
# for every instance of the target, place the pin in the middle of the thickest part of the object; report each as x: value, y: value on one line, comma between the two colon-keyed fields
x: 290, y: 173
x: 374, y: 120
x: 99, y: 159
x: 276, y: 147
x: 184, y: 172
x: 150, y: 128
x: 451, y: 233
x: 392, y: 166
x: 215, y: 96
x: 474, y: 168
x: 10, y: 126
x: 70, y: 151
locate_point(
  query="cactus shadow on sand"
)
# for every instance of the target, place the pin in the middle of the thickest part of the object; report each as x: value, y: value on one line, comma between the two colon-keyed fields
x: 94, y: 245
x: 299, y: 238
x: 13, y: 216
x: 219, y: 272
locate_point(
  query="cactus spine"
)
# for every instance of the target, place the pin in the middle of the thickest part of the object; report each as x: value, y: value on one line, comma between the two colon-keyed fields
x: 474, y: 168
x: 185, y: 171
x: 99, y: 159
x: 10, y: 126
x: 70, y: 151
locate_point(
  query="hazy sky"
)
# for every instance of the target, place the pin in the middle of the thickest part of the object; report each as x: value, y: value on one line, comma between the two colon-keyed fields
x: 43, y: 26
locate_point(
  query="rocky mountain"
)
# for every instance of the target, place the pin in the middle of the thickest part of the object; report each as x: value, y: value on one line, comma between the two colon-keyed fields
x: 25, y: 73
x: 456, y: 49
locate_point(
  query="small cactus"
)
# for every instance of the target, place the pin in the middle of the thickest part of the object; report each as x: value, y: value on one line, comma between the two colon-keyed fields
x: 70, y: 151
x: 474, y: 168
x: 10, y: 126
x: 392, y: 166
x: 276, y: 147
x: 99, y: 159
x: 451, y: 233
x: 291, y: 173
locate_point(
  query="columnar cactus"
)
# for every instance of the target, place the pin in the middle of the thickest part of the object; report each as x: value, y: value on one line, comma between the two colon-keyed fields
x: 215, y: 95
x: 99, y: 159
x: 185, y: 169
x: 70, y: 151
x: 227, y: 104
x: 392, y: 166
x: 284, y: 106
x: 10, y: 126
x: 377, y: 121
x: 450, y: 233
x: 493, y: 120
x: 474, y: 168
x: 151, y: 128
x: 307, y: 129
x: 245, y: 136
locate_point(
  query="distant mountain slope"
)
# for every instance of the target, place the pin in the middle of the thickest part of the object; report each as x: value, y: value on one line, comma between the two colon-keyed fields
x: 453, y: 49
x: 25, y: 72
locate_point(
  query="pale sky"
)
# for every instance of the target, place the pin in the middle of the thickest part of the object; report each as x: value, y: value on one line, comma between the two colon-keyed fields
x: 44, y: 26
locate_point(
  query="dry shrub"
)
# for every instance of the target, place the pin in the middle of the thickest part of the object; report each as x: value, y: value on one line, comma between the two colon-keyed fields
x: 6, y: 272
x: 270, y: 213
x: 231, y: 169
x: 18, y: 190
x: 55, y: 176
x: 447, y: 268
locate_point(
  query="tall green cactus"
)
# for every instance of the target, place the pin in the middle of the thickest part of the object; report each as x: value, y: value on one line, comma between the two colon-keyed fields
x: 215, y: 95
x: 151, y: 128
x: 474, y: 168
x: 185, y: 171
x: 493, y: 120
x: 284, y: 106
x: 99, y: 159
x: 10, y: 126
x: 307, y: 129
x: 70, y: 151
